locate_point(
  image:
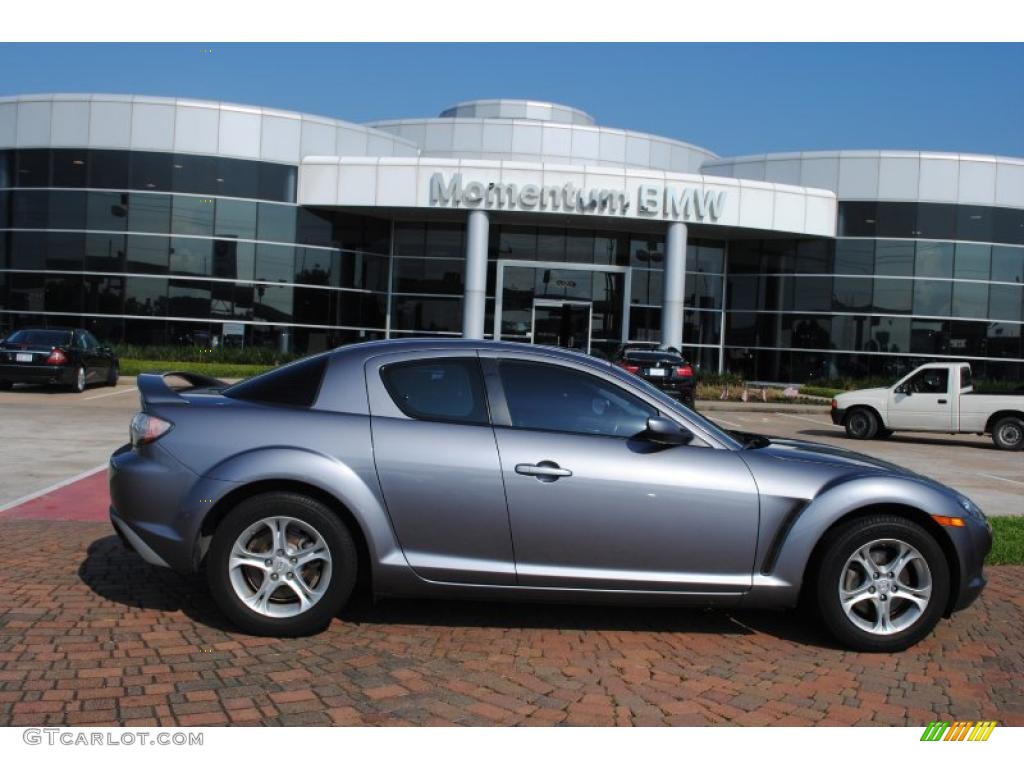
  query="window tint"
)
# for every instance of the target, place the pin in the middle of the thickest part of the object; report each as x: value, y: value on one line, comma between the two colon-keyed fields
x: 438, y: 390
x: 295, y: 384
x: 37, y: 338
x: 965, y: 377
x: 550, y: 397
x: 933, y: 381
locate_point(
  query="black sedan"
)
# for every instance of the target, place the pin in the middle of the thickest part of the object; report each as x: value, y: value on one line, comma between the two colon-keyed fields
x: 666, y: 369
x: 69, y: 357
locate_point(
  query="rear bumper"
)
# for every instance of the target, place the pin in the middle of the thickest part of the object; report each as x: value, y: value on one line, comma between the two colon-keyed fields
x: 682, y: 388
x: 36, y: 374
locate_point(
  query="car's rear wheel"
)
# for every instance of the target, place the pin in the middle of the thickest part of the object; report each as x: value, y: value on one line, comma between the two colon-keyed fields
x: 883, y: 583
x: 78, y: 383
x: 112, y: 375
x: 1008, y: 433
x: 861, y: 424
x: 281, y: 564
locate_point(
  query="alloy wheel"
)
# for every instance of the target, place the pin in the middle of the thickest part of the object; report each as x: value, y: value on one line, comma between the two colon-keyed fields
x: 885, y: 586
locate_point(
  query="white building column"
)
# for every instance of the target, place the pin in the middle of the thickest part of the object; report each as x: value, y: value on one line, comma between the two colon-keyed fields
x: 674, y: 286
x: 474, y: 297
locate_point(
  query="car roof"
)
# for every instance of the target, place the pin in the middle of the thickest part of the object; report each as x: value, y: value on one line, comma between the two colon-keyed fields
x: 371, y: 348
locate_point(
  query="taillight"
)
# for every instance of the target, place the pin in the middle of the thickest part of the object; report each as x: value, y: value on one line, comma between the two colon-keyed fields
x: 145, y: 429
x: 684, y: 370
x: 630, y: 367
x: 57, y: 357
x: 835, y: 405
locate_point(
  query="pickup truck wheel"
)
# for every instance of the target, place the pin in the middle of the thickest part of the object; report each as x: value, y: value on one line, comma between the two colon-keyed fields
x: 883, y: 583
x: 281, y: 565
x: 861, y: 424
x: 1008, y: 433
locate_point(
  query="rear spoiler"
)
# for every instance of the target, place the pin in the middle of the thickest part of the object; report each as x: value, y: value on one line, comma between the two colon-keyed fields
x: 153, y: 388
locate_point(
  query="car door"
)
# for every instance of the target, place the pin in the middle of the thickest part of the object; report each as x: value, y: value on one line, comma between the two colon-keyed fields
x: 592, y: 505
x: 86, y: 356
x: 437, y: 463
x: 922, y: 402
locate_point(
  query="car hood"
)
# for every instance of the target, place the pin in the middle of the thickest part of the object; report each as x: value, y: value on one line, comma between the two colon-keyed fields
x: 861, y: 395
x: 820, y: 453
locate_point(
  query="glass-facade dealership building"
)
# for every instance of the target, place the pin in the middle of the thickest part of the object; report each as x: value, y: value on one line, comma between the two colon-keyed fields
x: 164, y: 221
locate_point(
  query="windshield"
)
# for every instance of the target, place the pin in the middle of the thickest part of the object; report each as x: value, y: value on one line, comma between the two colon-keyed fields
x: 40, y: 338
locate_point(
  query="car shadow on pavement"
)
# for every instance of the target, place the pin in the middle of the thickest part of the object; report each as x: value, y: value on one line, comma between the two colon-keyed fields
x: 908, y: 439
x: 115, y: 573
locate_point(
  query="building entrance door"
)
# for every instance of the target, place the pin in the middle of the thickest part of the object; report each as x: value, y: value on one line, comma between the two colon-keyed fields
x: 559, y: 323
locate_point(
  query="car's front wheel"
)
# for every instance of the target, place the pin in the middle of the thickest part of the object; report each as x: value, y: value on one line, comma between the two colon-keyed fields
x: 883, y: 583
x: 281, y: 564
x: 861, y: 424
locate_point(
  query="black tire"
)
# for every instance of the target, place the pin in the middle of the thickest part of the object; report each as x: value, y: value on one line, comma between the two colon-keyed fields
x: 861, y: 424
x: 1008, y: 433
x: 840, y: 544
x: 882, y: 434
x: 331, y: 529
x: 78, y: 383
x: 6, y: 385
x: 112, y: 375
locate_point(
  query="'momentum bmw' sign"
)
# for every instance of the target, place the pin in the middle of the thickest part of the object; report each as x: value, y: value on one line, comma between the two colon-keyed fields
x: 679, y: 203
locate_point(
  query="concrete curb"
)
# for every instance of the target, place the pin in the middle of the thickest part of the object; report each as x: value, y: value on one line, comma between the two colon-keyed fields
x: 726, y: 405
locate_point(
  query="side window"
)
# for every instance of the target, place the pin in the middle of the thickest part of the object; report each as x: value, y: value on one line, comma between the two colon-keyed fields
x: 445, y: 389
x: 550, y: 397
x: 965, y: 377
x: 90, y: 341
x: 934, y: 381
x: 79, y: 341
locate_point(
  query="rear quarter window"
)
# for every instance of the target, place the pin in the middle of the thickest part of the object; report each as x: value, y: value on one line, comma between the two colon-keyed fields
x: 446, y: 389
x: 296, y: 384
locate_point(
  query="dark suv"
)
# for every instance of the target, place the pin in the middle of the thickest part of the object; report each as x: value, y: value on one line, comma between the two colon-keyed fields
x: 666, y: 369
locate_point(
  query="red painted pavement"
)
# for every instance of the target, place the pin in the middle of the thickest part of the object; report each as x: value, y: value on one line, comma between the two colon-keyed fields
x: 85, y: 500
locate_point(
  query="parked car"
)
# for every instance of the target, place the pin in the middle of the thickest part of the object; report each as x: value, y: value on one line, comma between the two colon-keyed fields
x: 938, y: 397
x: 464, y: 468
x: 666, y: 369
x: 69, y: 357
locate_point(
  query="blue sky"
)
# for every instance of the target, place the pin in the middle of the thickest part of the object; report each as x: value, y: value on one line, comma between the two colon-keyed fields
x: 732, y: 99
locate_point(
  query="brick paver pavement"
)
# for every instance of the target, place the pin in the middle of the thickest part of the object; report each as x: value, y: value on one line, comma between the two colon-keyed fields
x: 89, y: 634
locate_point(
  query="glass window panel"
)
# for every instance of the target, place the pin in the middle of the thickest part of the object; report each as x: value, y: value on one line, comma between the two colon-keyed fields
x: 744, y: 256
x: 236, y: 178
x: 438, y: 390
x: 934, y: 260
x: 936, y: 221
x: 444, y: 241
x: 428, y: 275
x: 276, y: 222
x: 410, y: 238
x: 891, y: 295
x: 273, y: 303
x: 70, y: 167
x: 550, y: 245
x: 855, y: 257
x: 811, y: 294
x: 640, y: 290
x: 806, y: 332
x: 360, y: 309
x: 645, y: 324
x: 26, y: 292
x: 67, y: 210
x: 63, y: 293
x: 194, y: 174
x: 701, y: 327
x: 146, y: 253
x: 1006, y: 302
x: 191, y: 256
x: 145, y: 296
x: 897, y: 219
x: 1008, y: 225
x: 103, y: 295
x: 189, y: 298
x: 710, y: 257
x: 608, y: 249
x: 233, y: 260
x: 778, y: 255
x: 972, y: 261
x: 563, y: 284
x: 426, y: 314
x: 932, y: 297
x: 1007, y: 264
x: 32, y: 168
x: 107, y: 211
x: 894, y: 257
x: 235, y: 218
x: 65, y: 250
x: 30, y: 209
x: 277, y: 182
x: 517, y: 243
x: 851, y: 293
x: 363, y: 270
x: 108, y: 169
x: 151, y: 170
x: 5, y: 209
x: 275, y: 263
x: 970, y: 300
x: 104, y: 253
x: 28, y: 250
x: 579, y: 247
x: 312, y: 306
x: 706, y: 292
x: 149, y: 213
x: 858, y: 219
x: 888, y: 334
x: 314, y: 227
x: 192, y: 215
x: 646, y: 251
x: 313, y: 266
x: 816, y: 256
x: 974, y: 222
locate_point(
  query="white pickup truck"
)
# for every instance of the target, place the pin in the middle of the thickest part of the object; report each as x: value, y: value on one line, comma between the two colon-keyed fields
x: 938, y: 397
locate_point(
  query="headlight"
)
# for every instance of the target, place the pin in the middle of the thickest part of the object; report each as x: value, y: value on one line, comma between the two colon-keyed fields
x: 972, y: 509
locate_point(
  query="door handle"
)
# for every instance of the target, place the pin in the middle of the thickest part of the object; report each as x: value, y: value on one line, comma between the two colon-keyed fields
x: 546, y: 471
x: 942, y: 401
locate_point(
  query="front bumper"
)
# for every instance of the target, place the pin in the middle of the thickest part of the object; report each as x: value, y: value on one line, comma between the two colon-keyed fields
x: 36, y: 374
x: 838, y: 414
x: 973, y: 542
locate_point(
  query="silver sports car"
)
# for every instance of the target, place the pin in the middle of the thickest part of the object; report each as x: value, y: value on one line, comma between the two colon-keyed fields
x: 494, y: 470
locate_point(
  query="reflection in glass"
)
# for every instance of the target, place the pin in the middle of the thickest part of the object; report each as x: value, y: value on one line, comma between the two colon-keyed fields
x: 192, y: 215
x: 934, y: 260
x: 970, y: 300
x: 276, y: 222
x: 145, y: 296
x: 892, y: 295
x: 894, y: 257
x: 191, y: 256
x: 972, y: 261
x: 932, y: 297
x: 147, y: 254
x: 1007, y: 264
x: 149, y: 213
x: 275, y: 263
x: 235, y: 218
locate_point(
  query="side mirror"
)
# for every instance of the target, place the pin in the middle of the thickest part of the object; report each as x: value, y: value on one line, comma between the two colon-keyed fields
x: 665, y: 432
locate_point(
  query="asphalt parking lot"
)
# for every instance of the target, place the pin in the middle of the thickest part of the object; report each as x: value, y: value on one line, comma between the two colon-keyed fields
x: 90, y: 634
